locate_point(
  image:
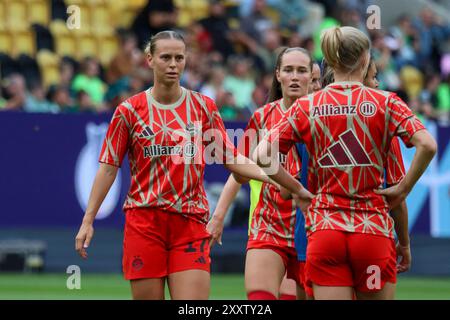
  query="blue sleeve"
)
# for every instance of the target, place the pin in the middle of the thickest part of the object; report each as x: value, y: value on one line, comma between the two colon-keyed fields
x: 300, y: 233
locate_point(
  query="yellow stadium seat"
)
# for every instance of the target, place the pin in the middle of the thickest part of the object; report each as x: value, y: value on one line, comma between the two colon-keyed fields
x: 126, y: 17
x: 39, y: 12
x: 16, y: 15
x: 49, y: 65
x: 58, y: 27
x: 107, y: 48
x: 101, y: 20
x: 86, y: 46
x: 6, y: 42
x: 24, y: 42
x: 136, y: 4
x: 189, y: 11
x: 65, y: 45
x: 2, y: 15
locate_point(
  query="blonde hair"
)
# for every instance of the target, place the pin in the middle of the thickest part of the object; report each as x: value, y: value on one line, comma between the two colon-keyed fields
x: 167, y: 34
x: 344, y: 47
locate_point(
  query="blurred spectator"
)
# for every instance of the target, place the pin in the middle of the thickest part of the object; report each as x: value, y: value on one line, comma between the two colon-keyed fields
x: 156, y: 16
x: 89, y: 81
x: 60, y: 95
x: 428, y: 96
x: 66, y: 72
x: 443, y: 99
x: 216, y: 29
x: 228, y: 110
x: 264, y: 55
x: 404, y: 42
x: 15, y: 92
x: 240, y: 82
x: 127, y: 58
x: 257, y: 22
x: 213, y: 87
x: 84, y: 103
x: 36, y: 100
x: 433, y: 34
x: 122, y: 65
x: 387, y: 74
x: 300, y: 16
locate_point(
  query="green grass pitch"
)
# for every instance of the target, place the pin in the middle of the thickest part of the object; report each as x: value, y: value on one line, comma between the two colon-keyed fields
x: 113, y: 286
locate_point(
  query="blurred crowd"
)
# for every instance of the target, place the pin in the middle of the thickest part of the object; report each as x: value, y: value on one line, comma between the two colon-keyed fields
x: 232, y: 47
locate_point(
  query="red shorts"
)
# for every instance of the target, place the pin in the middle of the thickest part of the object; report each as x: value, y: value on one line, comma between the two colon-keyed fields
x: 157, y: 243
x: 362, y: 261
x: 288, y: 255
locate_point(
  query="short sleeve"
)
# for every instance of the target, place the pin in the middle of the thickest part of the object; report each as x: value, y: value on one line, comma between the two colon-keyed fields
x: 116, y: 141
x: 402, y: 123
x: 288, y: 130
x: 250, y: 139
x: 395, y: 170
x: 216, y: 124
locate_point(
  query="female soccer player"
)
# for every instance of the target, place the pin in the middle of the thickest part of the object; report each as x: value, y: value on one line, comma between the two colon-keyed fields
x: 347, y: 129
x: 270, y: 249
x: 166, y: 132
x: 394, y: 173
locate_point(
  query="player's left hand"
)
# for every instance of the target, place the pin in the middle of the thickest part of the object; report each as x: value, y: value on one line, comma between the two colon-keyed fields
x: 405, y: 262
x: 215, y: 229
x: 394, y: 195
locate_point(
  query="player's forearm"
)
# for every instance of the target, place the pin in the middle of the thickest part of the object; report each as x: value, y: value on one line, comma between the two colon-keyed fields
x: 104, y: 179
x: 247, y: 168
x: 266, y: 158
x: 400, y: 216
x: 227, y: 196
x: 425, y: 150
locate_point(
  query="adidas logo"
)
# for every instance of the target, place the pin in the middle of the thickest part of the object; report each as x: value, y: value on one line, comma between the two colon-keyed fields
x: 147, y: 133
x: 347, y: 151
x: 201, y: 260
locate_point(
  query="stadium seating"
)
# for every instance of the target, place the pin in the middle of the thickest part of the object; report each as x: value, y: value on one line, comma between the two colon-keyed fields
x: 49, y: 64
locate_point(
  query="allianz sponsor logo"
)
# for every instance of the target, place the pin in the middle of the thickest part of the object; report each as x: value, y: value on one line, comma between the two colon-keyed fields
x: 189, y: 150
x: 332, y: 110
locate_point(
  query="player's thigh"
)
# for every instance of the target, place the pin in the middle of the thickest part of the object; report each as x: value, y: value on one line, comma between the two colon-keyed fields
x: 373, y: 260
x: 189, y: 285
x: 387, y: 293
x: 264, y: 270
x: 332, y: 293
x: 288, y: 286
x: 147, y: 289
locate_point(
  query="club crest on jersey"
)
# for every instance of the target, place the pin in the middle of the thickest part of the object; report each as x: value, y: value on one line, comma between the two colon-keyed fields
x: 332, y: 110
x: 147, y: 133
x: 282, y: 158
x: 191, y: 129
x: 367, y: 109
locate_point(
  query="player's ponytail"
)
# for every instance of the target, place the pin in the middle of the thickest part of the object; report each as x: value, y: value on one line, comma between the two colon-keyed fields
x: 345, y: 48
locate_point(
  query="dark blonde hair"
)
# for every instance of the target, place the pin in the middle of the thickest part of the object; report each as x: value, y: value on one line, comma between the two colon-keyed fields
x: 343, y: 48
x: 167, y: 34
x: 275, y: 92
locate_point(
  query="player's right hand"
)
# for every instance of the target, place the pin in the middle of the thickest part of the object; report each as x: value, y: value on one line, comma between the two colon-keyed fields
x: 215, y: 229
x: 83, y: 239
x: 303, y: 199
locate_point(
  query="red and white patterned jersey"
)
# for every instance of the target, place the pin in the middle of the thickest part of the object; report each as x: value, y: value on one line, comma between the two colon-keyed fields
x: 273, y: 219
x: 165, y: 150
x: 347, y: 129
x: 395, y: 169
